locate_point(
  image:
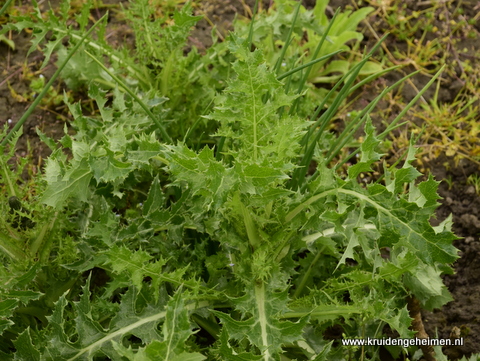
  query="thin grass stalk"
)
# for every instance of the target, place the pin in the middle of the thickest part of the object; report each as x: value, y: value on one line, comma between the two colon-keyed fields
x: 142, y: 78
x: 342, y: 94
x: 221, y: 143
x: 307, y: 273
x: 413, y: 101
x: 309, y: 64
x: 49, y: 84
x: 250, y: 30
x: 360, y: 119
x: 363, y: 113
x: 392, y: 125
x: 289, y: 39
x: 5, y: 7
x: 195, y: 124
x: 162, y: 130
x: 301, y: 171
x: 374, y: 76
x: 351, y: 155
x: 308, y: 153
x: 303, y: 81
x: 318, y: 48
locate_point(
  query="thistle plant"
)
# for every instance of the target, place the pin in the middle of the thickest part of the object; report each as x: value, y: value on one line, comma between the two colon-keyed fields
x: 227, y: 250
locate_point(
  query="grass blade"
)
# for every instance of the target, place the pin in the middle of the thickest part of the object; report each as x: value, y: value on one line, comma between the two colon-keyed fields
x: 250, y: 31
x: 409, y: 105
x: 5, y: 7
x: 298, y: 177
x: 289, y: 39
x: 309, y: 64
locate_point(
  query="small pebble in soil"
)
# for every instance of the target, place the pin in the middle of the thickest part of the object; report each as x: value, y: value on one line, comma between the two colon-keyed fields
x: 470, y: 190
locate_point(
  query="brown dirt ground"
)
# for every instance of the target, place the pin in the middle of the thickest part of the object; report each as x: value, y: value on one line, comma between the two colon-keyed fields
x: 460, y: 199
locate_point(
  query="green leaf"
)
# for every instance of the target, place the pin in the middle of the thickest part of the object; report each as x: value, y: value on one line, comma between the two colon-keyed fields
x: 137, y: 264
x: 108, y: 168
x: 143, y: 149
x: 368, y: 153
x: 323, y: 355
x: 75, y: 183
x: 229, y: 354
x: 93, y: 339
x: 155, y: 200
x: 22, y: 296
x: 70, y: 182
x: 7, y: 307
x: 25, y: 350
x: 10, y: 43
x: 427, y: 285
x: 400, y: 322
x: 262, y: 328
x: 248, y: 112
x: 206, y: 177
x: 176, y: 330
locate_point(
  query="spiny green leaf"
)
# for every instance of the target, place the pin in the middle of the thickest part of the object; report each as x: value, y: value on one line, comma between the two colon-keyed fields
x: 108, y: 168
x: 25, y: 350
x: 368, y: 152
x: 400, y: 322
x: 205, y: 176
x: 6, y: 310
x: 228, y: 353
x: 323, y: 355
x: 143, y: 148
x: 427, y: 285
x: 155, y: 199
x: 176, y: 330
x: 94, y: 339
x: 75, y: 183
x: 248, y: 111
x: 137, y: 264
x: 263, y: 329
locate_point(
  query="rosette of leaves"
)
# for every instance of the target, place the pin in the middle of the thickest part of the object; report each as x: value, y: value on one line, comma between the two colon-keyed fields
x: 220, y: 236
x: 336, y: 250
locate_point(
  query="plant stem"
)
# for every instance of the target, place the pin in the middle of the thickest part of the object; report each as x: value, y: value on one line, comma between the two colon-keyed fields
x: 9, y: 181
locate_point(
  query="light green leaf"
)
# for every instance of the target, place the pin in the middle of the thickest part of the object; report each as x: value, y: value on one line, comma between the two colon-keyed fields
x: 427, y: 285
x: 229, y: 354
x: 108, y: 168
x: 263, y: 329
x: 248, y: 111
x: 155, y: 199
x: 74, y: 184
